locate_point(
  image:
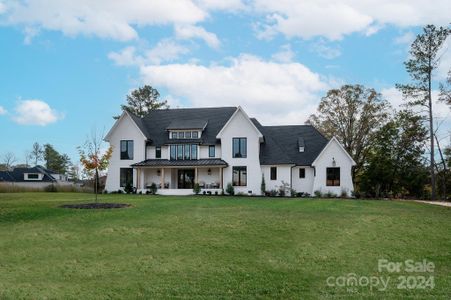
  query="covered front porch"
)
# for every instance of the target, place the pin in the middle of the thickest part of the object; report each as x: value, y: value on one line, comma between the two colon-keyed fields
x: 179, y: 177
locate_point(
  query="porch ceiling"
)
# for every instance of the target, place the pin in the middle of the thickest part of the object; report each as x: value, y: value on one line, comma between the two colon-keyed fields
x: 214, y: 162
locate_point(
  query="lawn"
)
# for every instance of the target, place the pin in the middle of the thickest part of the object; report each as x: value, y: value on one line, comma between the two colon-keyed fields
x: 216, y: 247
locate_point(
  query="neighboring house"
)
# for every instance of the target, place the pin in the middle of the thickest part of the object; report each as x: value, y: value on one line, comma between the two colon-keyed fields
x: 176, y: 148
x: 32, y: 177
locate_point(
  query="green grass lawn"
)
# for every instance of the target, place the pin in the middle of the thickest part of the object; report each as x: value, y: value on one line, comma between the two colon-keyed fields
x: 215, y: 247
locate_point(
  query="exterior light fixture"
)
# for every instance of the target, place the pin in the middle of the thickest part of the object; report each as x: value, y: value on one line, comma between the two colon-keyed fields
x: 334, y: 163
x: 209, y: 171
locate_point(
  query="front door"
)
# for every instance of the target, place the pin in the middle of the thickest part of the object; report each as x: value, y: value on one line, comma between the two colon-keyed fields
x: 186, y: 179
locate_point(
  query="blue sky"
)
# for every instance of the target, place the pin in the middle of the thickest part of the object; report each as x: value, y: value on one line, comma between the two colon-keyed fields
x: 66, y: 66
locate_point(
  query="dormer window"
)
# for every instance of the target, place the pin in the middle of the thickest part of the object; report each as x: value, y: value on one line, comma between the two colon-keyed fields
x: 32, y: 176
x: 301, y: 144
x: 174, y: 135
x: 195, y: 134
x: 184, y: 135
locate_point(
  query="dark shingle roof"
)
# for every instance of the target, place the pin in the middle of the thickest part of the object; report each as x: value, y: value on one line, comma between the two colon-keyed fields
x: 281, y: 145
x: 17, y: 175
x: 180, y: 163
x: 187, y: 124
x: 154, y: 125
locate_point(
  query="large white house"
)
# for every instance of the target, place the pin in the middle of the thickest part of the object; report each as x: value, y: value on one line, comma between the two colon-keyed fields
x: 176, y: 148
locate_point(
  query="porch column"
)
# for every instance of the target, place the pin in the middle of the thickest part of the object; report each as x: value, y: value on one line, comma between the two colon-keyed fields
x: 196, y: 177
x: 162, y: 178
x: 138, y: 178
x: 221, y: 170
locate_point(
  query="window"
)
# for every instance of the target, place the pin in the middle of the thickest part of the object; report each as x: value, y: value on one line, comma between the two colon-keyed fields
x: 32, y: 176
x: 187, y: 134
x: 301, y: 173
x: 173, y: 150
x: 157, y: 152
x: 211, y: 151
x: 126, y: 176
x: 179, y: 151
x: 181, y: 135
x: 239, y: 176
x: 173, y: 135
x: 126, y: 149
x: 239, y: 147
x: 195, y: 135
x: 187, y: 152
x: 273, y: 173
x: 193, y: 151
x: 333, y: 177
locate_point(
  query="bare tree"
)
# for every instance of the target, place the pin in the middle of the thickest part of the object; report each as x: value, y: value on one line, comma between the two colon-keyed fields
x: 8, y: 160
x: 37, y: 153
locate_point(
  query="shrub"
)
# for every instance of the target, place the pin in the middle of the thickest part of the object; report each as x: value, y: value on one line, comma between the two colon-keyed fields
x: 281, y: 192
x: 318, y: 194
x: 128, y: 188
x: 329, y: 195
x: 293, y: 193
x: 216, y: 193
x: 306, y: 195
x: 344, y: 194
x: 230, y: 190
x: 272, y: 193
x: 119, y: 191
x: 263, y: 185
x: 204, y: 192
x: 153, y: 188
x: 196, y: 189
x: 355, y: 194
x: 50, y: 189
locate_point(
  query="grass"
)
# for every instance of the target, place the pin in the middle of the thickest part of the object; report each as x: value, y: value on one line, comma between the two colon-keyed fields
x: 214, y: 247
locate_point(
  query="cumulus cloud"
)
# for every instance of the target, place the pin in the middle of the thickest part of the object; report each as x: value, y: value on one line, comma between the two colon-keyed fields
x: 35, y: 112
x: 166, y: 50
x: 2, y: 110
x: 274, y: 92
x: 191, y: 31
x: 285, y: 55
x: 335, y: 19
x: 323, y: 49
x: 102, y: 18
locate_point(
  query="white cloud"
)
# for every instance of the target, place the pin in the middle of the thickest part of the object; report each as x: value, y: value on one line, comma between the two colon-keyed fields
x: 324, y: 50
x: 102, y: 18
x: 30, y: 33
x: 2, y: 110
x: 166, y: 50
x: 35, y: 112
x: 191, y: 31
x: 285, y: 55
x: 405, y: 39
x: 274, y: 92
x: 228, y: 5
x: 335, y: 19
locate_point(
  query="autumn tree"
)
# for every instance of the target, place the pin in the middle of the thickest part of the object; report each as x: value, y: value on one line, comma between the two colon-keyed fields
x: 143, y: 100
x: 352, y: 114
x: 424, y: 60
x: 92, y: 158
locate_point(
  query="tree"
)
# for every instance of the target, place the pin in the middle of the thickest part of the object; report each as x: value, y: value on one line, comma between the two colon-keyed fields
x: 143, y: 100
x: 37, y: 153
x: 92, y: 159
x: 352, y: 114
x: 395, y: 160
x: 424, y: 59
x: 54, y: 160
x: 8, y: 160
x: 445, y: 90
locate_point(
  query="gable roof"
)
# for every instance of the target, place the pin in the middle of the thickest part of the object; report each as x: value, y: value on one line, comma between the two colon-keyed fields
x: 281, y: 145
x: 156, y: 123
x: 239, y: 109
x: 17, y: 174
x: 334, y: 140
x: 187, y: 124
x: 136, y: 120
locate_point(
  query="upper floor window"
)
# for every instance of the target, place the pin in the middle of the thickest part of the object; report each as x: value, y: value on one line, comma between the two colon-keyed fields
x: 195, y: 135
x: 184, y: 134
x: 301, y: 173
x: 157, y: 152
x: 239, y: 147
x: 183, y: 152
x: 333, y: 176
x: 211, y: 151
x: 126, y: 149
x: 273, y: 173
x: 174, y: 135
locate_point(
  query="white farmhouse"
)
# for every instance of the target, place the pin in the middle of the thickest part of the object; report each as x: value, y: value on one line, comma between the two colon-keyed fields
x: 176, y: 148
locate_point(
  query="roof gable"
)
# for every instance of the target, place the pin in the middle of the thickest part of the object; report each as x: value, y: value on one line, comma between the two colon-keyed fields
x: 135, y: 120
x: 334, y: 140
x: 240, y: 110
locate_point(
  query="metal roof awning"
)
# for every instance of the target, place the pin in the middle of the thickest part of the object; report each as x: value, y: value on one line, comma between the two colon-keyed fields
x: 181, y: 163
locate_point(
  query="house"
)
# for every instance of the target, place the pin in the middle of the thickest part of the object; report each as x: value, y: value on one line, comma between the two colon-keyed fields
x: 37, y: 176
x: 176, y: 148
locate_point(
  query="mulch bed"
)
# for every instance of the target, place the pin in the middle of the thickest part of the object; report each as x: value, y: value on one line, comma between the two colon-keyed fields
x: 96, y: 205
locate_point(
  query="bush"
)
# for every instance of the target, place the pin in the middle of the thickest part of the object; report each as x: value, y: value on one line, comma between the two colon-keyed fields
x: 216, y: 193
x: 293, y: 193
x: 281, y: 192
x: 355, y: 194
x: 263, y: 185
x: 318, y: 194
x: 306, y: 195
x: 196, y: 189
x: 230, y: 190
x: 119, y: 191
x: 204, y: 192
x: 330, y: 195
x: 153, y: 188
x: 272, y: 193
x: 344, y: 194
x: 50, y: 189
x: 128, y: 188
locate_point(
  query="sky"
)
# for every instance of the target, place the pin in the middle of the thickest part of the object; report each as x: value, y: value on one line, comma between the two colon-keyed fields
x: 67, y: 66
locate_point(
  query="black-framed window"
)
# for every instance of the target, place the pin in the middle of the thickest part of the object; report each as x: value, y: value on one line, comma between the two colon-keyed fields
x: 174, y: 135
x: 126, y: 176
x: 195, y: 134
x: 181, y: 135
x: 187, y: 150
x: 126, y: 149
x: 301, y: 173
x: 273, y: 173
x: 239, y: 147
x: 211, y: 151
x: 193, y: 151
x: 33, y: 176
x: 183, y: 152
x: 179, y: 151
x: 333, y: 176
x: 239, y: 176
x: 187, y: 134
x: 158, y: 152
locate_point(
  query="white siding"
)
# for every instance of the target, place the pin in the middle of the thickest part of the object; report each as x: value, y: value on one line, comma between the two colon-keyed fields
x: 283, y: 176
x: 303, y: 185
x: 203, y: 151
x: 325, y: 160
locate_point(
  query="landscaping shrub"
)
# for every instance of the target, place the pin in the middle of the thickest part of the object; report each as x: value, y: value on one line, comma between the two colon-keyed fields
x: 230, y: 190
x: 344, y: 194
x: 128, y: 188
x: 196, y: 189
x: 318, y: 194
x: 263, y: 185
x: 153, y: 188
